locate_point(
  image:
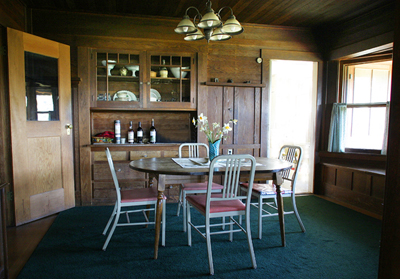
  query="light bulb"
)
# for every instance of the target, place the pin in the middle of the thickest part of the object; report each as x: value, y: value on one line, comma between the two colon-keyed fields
x: 209, y: 23
x: 185, y: 29
x: 194, y: 37
x: 219, y: 37
x: 234, y: 28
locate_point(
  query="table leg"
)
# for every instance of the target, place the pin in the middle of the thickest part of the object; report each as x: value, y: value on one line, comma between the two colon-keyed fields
x: 278, y: 182
x: 160, y: 197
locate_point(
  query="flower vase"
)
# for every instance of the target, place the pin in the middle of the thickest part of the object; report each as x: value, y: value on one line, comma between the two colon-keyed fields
x: 213, y: 149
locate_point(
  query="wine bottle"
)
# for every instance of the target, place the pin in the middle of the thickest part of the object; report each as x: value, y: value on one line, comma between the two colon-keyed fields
x: 117, y: 131
x: 139, y: 133
x: 152, y: 132
x: 131, y: 133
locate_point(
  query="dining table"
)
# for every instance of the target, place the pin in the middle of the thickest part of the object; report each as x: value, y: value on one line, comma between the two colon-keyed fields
x: 159, y: 168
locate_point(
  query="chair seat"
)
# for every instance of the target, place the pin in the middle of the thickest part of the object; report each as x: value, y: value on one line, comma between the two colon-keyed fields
x: 266, y: 189
x: 199, y: 201
x: 138, y: 195
x: 200, y: 186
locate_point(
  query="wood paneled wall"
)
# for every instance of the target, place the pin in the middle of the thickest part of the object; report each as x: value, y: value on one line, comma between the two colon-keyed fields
x: 12, y: 14
x: 364, y: 35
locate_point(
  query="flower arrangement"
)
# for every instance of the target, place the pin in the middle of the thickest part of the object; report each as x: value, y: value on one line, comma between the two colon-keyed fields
x: 217, y: 132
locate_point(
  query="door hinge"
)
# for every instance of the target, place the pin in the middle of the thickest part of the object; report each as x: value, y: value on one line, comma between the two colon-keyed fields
x: 3, y: 50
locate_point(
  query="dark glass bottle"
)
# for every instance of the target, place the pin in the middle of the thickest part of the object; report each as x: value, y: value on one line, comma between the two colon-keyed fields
x: 153, y: 132
x: 131, y: 133
x: 139, y: 133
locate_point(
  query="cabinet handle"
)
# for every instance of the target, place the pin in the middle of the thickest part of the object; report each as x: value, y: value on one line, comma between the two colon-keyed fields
x: 119, y: 170
x: 148, y: 83
x: 141, y: 82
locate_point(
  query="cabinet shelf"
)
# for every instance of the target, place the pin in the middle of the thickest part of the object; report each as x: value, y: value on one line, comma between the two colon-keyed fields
x: 209, y: 83
x: 117, y: 78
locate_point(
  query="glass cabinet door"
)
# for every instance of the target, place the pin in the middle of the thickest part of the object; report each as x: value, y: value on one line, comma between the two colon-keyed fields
x: 170, y: 77
x: 118, y: 78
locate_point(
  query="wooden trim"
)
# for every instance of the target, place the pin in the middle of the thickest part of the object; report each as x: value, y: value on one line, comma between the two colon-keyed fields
x: 231, y: 84
x: 358, y: 156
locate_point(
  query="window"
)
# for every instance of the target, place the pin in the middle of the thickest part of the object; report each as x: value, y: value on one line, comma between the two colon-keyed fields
x: 366, y: 91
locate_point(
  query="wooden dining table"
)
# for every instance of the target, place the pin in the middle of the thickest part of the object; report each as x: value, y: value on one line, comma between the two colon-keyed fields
x: 159, y: 168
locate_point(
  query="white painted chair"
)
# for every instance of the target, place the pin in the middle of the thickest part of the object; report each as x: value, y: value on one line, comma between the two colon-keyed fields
x: 132, y: 198
x: 192, y: 188
x: 225, y: 204
x: 264, y: 192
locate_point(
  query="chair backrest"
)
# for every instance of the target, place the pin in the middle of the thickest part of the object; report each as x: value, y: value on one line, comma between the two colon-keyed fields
x: 194, y: 149
x: 114, y: 175
x: 292, y: 154
x: 231, y: 182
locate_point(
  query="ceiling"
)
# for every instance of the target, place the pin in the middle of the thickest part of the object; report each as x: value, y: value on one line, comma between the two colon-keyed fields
x: 300, y: 13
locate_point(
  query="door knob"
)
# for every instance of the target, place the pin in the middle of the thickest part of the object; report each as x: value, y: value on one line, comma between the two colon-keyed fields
x: 69, y: 128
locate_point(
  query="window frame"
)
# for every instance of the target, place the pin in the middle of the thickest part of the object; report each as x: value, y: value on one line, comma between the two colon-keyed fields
x: 343, y: 73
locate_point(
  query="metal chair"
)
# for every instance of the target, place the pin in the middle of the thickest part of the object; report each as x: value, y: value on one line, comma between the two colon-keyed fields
x: 132, y: 198
x: 292, y: 154
x: 196, y: 187
x: 225, y: 204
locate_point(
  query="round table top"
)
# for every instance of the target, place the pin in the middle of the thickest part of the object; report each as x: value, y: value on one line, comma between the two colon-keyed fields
x: 168, y: 166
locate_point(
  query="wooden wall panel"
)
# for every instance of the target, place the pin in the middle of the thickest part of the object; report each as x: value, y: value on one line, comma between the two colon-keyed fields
x: 355, y: 187
x: 12, y: 14
x: 172, y: 127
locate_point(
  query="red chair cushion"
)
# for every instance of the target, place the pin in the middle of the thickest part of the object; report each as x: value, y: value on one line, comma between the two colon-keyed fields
x: 200, y: 186
x: 139, y: 195
x: 199, y: 201
x: 266, y: 189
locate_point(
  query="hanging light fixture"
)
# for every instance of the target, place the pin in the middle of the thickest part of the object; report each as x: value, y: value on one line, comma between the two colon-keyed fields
x: 213, y: 27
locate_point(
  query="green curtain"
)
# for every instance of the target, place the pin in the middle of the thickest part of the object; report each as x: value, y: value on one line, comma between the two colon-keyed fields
x: 385, y: 135
x: 337, y: 130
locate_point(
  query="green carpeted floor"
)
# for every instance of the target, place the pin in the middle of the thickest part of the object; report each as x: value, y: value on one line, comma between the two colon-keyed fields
x: 339, y: 243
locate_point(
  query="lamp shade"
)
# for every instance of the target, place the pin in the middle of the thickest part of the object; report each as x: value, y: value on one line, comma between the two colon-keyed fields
x: 232, y: 26
x: 194, y: 36
x: 186, y: 26
x: 218, y: 35
x: 209, y: 20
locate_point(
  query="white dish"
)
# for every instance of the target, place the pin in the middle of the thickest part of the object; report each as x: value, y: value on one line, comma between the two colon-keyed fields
x: 129, y: 94
x: 109, y: 62
x: 133, y: 69
x: 111, y: 65
x: 176, y: 71
x: 154, y: 96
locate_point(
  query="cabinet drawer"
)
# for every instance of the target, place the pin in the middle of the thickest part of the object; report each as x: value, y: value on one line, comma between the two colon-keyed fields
x: 123, y: 171
x: 136, y: 155
x: 116, y: 156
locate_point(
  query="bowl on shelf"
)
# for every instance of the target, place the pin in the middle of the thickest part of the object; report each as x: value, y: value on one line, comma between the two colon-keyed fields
x: 134, y: 69
x: 177, y: 72
x: 153, y: 74
x: 110, y: 66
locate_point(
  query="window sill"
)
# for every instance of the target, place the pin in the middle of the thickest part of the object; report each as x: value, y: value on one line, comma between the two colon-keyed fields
x: 355, y: 160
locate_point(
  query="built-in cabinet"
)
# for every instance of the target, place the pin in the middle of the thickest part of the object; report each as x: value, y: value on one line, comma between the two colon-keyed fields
x: 136, y: 86
x: 143, y: 80
x: 360, y: 187
x: 103, y: 186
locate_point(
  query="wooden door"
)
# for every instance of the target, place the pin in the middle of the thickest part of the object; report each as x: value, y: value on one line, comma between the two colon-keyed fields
x: 40, y: 116
x: 222, y: 103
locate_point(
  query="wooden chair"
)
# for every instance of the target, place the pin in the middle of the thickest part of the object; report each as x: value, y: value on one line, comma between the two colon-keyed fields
x: 263, y: 192
x: 132, y: 198
x: 225, y: 204
x: 192, y: 188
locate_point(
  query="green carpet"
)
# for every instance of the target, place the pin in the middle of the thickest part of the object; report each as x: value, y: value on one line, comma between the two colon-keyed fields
x: 339, y: 243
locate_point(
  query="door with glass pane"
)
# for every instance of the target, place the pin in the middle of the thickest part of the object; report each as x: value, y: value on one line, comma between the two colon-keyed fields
x: 41, y: 126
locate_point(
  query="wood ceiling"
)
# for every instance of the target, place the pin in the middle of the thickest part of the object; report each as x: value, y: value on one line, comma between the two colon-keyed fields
x: 300, y: 13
